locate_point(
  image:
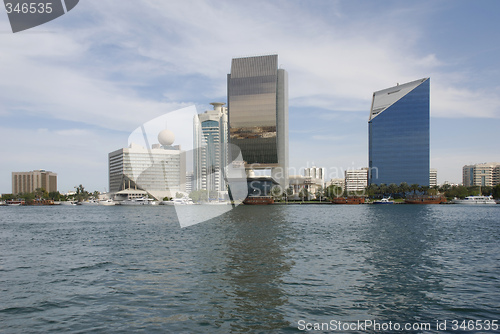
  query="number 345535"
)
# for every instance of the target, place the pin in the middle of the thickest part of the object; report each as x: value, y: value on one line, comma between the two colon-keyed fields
x: 31, y: 8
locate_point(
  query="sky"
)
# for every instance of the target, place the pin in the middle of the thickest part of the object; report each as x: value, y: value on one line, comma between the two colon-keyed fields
x: 74, y: 89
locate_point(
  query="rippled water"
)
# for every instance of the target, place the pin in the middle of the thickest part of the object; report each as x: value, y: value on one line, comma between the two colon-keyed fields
x: 254, y: 269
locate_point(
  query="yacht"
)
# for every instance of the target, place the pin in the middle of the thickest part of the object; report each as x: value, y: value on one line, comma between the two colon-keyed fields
x: 178, y: 201
x: 107, y: 202
x: 89, y: 202
x: 475, y: 200
x: 384, y: 201
x: 138, y: 201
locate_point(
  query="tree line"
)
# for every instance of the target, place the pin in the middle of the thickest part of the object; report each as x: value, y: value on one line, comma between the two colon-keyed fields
x: 41, y: 194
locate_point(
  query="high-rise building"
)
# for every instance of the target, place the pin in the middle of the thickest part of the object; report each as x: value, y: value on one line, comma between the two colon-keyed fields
x: 160, y: 170
x: 398, y: 131
x: 210, y: 148
x: 29, y: 182
x: 258, y: 114
x: 433, y: 177
x: 486, y: 174
x: 356, y: 179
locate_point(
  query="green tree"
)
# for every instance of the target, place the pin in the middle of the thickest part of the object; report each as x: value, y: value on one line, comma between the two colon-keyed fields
x: 414, y: 187
x: 392, y: 189
x: 333, y: 191
x: 496, y: 191
x: 55, y: 196
x: 403, y: 188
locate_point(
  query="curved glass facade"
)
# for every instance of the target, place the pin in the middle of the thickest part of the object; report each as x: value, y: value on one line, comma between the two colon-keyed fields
x: 399, y: 142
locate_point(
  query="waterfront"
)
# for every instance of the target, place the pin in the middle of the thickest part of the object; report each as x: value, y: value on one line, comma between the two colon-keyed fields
x: 254, y: 269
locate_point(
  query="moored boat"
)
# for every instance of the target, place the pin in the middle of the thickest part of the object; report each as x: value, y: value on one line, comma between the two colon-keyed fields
x: 178, y: 201
x: 15, y: 202
x: 426, y: 199
x: 348, y: 200
x: 138, y: 201
x: 384, y: 201
x: 258, y: 200
x: 475, y: 200
x: 107, y: 202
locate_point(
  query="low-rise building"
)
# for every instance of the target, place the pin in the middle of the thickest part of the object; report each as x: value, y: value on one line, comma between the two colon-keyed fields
x: 485, y: 174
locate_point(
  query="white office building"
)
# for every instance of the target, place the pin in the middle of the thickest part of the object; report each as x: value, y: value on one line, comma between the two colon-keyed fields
x: 160, y: 170
x: 356, y: 179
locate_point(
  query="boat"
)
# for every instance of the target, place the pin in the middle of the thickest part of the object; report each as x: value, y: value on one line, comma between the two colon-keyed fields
x: 258, y: 200
x: 178, y: 201
x: 426, y: 199
x: 107, y: 202
x: 348, y: 200
x: 38, y: 202
x: 65, y: 203
x: 138, y: 201
x: 15, y: 202
x: 2, y: 203
x: 384, y: 201
x: 475, y: 200
x: 89, y: 202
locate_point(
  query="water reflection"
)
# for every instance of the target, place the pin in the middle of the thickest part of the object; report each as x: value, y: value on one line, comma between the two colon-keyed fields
x: 400, y: 241
x: 249, y: 258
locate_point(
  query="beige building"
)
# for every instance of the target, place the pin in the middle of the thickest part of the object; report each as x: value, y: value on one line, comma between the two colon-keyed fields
x: 28, y: 182
x: 486, y: 174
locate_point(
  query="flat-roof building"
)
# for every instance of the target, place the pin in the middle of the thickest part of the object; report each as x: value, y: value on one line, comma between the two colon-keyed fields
x: 29, y: 182
x: 258, y: 114
x: 485, y: 174
x: 160, y: 170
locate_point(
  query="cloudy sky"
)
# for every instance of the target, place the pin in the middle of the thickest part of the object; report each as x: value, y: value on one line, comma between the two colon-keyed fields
x: 73, y: 90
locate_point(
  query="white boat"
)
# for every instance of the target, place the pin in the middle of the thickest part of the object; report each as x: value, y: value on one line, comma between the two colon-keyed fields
x: 138, y: 201
x: 89, y: 202
x: 178, y: 201
x: 474, y: 200
x: 2, y: 203
x: 384, y: 201
x: 65, y: 203
x: 107, y: 202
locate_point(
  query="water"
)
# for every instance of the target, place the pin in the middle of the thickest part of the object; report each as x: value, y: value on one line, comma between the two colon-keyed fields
x: 261, y: 269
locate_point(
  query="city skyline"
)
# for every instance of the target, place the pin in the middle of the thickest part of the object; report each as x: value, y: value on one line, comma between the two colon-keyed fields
x: 74, y: 88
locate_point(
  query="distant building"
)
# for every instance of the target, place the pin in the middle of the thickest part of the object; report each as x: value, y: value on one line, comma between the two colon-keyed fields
x: 433, y: 176
x: 398, y: 134
x: 356, y: 179
x: 258, y: 114
x: 210, y: 148
x: 311, y: 184
x: 28, y: 182
x: 317, y: 173
x: 159, y: 171
x: 189, y: 182
x: 486, y: 174
x: 337, y: 182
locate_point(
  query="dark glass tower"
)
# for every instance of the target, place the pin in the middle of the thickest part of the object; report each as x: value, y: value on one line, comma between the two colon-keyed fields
x: 258, y: 114
x: 398, y: 130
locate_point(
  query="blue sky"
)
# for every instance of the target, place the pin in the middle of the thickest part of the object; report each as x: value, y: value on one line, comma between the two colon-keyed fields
x: 72, y: 90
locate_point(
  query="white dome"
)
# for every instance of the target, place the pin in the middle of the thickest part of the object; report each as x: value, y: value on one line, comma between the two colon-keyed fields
x: 166, y: 137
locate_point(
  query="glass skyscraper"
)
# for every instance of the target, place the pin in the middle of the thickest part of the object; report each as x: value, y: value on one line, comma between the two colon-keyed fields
x: 398, y: 130
x: 258, y: 114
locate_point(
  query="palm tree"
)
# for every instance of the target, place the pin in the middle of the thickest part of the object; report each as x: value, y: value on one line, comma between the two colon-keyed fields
x: 414, y: 187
